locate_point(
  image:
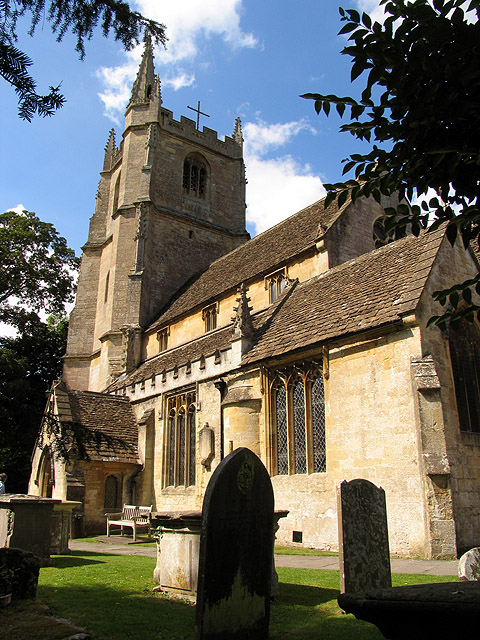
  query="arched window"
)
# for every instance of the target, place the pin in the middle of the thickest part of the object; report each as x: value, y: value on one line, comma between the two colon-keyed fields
x: 46, y: 475
x: 181, y: 440
x: 464, y: 343
x: 298, y: 421
x: 112, y: 492
x: 195, y: 176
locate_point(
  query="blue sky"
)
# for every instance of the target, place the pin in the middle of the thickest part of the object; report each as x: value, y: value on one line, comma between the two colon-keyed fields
x: 247, y: 58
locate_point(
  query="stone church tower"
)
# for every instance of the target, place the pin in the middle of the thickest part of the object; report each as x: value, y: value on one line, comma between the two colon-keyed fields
x: 171, y: 199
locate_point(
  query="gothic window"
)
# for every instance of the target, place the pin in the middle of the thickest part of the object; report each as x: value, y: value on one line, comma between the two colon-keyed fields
x: 275, y: 283
x: 298, y: 420
x: 113, y: 496
x: 209, y: 315
x: 195, y: 176
x: 181, y: 440
x: 162, y: 337
x: 464, y: 342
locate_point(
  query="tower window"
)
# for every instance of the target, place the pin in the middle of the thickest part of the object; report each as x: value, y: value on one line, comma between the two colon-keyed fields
x: 194, y: 177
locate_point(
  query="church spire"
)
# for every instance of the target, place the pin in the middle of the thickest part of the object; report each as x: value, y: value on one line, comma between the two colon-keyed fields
x: 146, y: 85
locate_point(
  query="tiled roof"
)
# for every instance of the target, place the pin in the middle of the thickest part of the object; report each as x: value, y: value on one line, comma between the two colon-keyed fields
x: 258, y: 256
x: 113, y: 416
x: 206, y: 345
x: 372, y: 290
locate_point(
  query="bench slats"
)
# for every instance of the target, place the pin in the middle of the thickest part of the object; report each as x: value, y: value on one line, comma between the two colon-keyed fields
x: 132, y: 517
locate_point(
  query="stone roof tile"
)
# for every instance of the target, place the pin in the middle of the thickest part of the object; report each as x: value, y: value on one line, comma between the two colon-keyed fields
x: 110, y: 414
x: 374, y: 289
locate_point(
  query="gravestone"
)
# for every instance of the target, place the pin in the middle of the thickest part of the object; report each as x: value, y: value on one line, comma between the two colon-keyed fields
x: 236, y: 550
x: 364, y: 553
x: 469, y: 565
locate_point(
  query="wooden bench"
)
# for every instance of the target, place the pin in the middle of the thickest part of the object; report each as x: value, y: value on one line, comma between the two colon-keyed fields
x: 131, y: 517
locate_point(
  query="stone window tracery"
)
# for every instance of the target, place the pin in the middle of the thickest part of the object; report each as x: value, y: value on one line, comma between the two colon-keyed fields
x: 162, y: 337
x: 195, y: 176
x: 298, y: 420
x: 181, y: 440
x: 209, y: 315
x: 464, y: 343
x: 275, y: 283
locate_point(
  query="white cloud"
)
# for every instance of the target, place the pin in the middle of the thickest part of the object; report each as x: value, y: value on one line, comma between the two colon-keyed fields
x: 277, y: 186
x: 18, y: 209
x: 373, y: 9
x: 188, y: 28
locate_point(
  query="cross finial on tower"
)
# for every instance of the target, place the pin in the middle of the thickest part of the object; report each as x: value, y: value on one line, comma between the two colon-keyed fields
x: 198, y: 112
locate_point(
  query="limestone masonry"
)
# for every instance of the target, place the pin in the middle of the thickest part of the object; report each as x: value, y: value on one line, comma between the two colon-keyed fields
x: 308, y: 344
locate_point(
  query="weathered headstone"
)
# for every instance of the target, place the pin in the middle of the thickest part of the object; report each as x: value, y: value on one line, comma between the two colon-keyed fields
x: 236, y: 549
x: 364, y: 553
x: 469, y: 565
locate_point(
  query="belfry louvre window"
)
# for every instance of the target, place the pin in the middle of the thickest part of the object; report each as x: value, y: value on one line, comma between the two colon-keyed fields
x: 181, y: 440
x: 298, y: 421
x: 194, y: 177
x: 464, y: 342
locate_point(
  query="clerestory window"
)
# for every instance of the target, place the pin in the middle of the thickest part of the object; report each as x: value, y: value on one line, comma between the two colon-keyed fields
x: 181, y: 440
x: 464, y: 343
x: 195, y: 177
x: 209, y: 315
x: 298, y: 421
x: 275, y: 283
x: 162, y: 337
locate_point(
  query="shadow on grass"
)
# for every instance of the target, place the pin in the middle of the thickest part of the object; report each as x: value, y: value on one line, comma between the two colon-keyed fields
x: 65, y: 562
x: 303, y: 612
x: 111, y: 613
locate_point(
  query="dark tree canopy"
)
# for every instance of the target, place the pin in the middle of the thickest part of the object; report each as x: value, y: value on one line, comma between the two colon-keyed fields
x: 28, y: 364
x: 80, y: 17
x: 421, y: 104
x: 37, y: 269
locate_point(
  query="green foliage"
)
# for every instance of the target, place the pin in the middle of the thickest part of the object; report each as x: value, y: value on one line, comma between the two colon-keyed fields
x: 37, y: 268
x: 81, y: 17
x: 421, y: 103
x: 28, y: 363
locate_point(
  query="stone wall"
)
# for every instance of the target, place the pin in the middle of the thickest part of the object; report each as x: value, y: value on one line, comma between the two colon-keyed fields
x: 460, y: 479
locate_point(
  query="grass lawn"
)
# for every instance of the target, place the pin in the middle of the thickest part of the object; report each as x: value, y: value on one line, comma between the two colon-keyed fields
x: 111, y: 596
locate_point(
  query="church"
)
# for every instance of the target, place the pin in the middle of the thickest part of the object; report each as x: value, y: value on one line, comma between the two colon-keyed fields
x: 308, y: 344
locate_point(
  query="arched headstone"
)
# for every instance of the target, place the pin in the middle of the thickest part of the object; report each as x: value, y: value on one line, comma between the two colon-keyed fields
x: 363, y: 537
x: 236, y: 548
